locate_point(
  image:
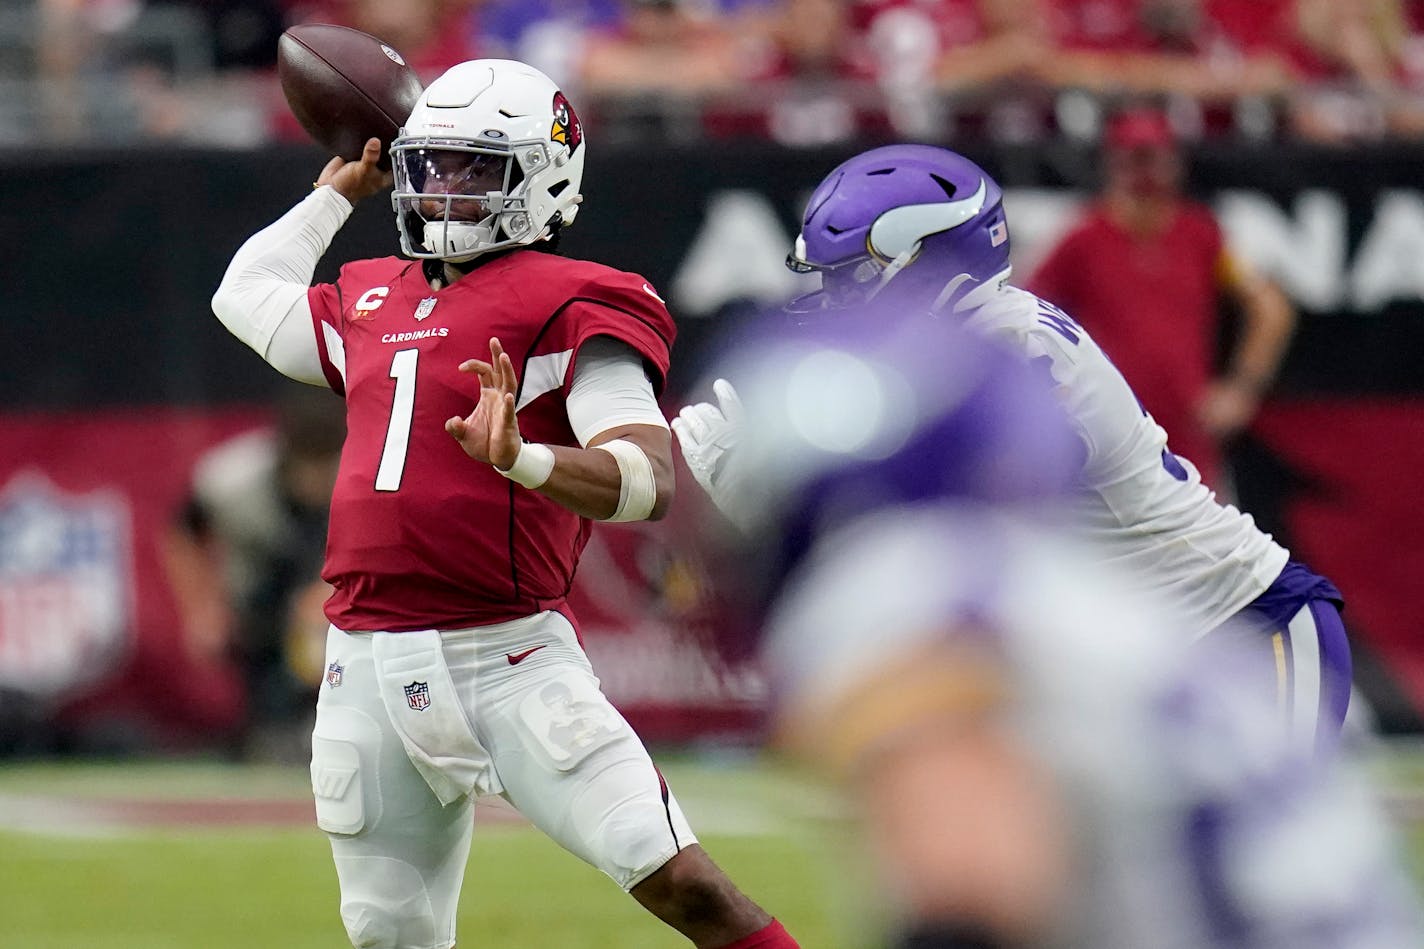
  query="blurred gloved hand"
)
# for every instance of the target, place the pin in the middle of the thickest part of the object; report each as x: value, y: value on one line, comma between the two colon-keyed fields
x: 708, y: 436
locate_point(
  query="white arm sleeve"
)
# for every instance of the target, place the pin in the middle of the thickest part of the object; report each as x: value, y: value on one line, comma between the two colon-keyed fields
x: 610, y: 388
x: 262, y: 299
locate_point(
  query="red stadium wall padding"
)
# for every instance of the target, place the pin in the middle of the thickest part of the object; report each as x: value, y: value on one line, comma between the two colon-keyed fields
x: 1359, y: 518
x: 655, y: 617
x: 89, y: 631
x: 87, y: 624
x: 88, y: 628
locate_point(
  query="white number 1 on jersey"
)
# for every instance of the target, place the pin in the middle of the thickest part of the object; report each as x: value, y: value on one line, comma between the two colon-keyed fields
x: 388, y: 476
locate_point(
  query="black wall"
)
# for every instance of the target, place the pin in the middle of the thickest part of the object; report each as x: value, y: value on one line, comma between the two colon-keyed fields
x: 110, y: 259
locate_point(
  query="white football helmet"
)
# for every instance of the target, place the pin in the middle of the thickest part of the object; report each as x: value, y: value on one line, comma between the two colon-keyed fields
x: 491, y: 157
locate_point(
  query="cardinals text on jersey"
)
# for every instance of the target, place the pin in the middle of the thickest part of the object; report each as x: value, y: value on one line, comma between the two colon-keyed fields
x: 421, y: 536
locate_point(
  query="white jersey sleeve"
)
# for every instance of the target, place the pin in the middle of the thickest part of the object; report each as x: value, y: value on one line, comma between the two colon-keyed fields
x: 262, y: 299
x: 610, y: 388
x: 1144, y: 506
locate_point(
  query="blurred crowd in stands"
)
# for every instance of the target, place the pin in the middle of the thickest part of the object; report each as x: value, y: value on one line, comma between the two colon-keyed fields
x: 803, y: 72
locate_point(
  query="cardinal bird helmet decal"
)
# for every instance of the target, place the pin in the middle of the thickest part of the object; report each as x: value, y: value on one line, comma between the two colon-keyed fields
x: 566, y: 130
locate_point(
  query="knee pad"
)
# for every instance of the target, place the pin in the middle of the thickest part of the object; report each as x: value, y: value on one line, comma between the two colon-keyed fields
x: 643, y: 830
x: 633, y: 841
x: 348, y: 795
x: 385, y: 905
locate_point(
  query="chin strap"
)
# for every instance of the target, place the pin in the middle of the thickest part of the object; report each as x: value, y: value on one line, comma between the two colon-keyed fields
x: 948, y: 291
x: 453, y: 268
x: 891, y: 269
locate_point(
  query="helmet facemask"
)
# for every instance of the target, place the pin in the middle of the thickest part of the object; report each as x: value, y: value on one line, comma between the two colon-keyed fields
x: 849, y: 282
x: 458, y: 198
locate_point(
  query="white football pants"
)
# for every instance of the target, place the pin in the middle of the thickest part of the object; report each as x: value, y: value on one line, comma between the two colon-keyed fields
x: 411, y: 727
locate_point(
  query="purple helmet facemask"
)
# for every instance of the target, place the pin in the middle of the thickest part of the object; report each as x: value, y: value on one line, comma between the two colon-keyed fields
x: 923, y: 224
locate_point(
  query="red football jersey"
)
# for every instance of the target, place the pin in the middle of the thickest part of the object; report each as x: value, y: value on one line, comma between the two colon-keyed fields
x: 422, y: 536
x: 1152, y: 305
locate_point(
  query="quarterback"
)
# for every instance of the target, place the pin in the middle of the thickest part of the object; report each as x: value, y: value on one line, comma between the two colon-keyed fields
x: 918, y: 228
x: 499, y: 399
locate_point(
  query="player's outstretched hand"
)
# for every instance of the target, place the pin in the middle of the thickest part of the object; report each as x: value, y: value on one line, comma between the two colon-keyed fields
x: 491, y: 432
x: 355, y: 180
x: 708, y: 434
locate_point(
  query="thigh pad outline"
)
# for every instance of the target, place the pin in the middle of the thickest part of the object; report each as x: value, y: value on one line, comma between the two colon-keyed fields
x: 568, y: 719
x: 347, y: 791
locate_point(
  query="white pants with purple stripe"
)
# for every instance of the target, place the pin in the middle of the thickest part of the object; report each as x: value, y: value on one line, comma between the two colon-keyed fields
x: 1314, y: 673
x: 1309, y: 659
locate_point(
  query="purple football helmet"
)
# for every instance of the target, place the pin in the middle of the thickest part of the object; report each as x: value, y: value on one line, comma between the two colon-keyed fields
x: 920, y: 223
x: 879, y: 408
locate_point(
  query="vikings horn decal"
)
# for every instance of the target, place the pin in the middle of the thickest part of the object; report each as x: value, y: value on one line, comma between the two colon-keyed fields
x: 566, y: 130
x: 901, y: 229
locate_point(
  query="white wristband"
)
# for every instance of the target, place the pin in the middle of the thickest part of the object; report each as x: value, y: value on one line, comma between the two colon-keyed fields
x: 638, y: 487
x: 532, y: 466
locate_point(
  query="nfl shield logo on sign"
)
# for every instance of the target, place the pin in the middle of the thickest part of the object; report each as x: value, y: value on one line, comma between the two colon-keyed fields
x: 66, y: 585
x: 417, y: 696
x: 333, y: 674
x: 423, y: 310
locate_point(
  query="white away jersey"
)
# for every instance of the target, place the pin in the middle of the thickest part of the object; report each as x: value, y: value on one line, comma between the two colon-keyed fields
x: 1194, y: 825
x: 1145, y: 507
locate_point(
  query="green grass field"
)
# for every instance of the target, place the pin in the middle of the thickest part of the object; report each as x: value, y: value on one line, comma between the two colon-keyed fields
x: 70, y: 881
x: 70, y: 878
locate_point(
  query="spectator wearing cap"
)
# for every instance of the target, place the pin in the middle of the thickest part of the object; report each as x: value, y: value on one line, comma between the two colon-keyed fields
x: 1146, y: 271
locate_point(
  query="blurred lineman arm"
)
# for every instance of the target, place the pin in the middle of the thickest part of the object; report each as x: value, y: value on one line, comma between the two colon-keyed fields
x: 967, y: 827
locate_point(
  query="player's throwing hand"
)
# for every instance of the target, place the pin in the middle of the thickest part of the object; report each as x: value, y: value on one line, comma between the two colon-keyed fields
x: 491, y: 432
x: 358, y: 179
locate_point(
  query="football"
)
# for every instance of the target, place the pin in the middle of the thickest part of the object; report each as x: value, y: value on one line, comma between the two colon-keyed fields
x: 345, y: 86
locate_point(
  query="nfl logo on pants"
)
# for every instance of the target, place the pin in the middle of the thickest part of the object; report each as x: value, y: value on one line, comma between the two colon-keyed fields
x: 417, y: 696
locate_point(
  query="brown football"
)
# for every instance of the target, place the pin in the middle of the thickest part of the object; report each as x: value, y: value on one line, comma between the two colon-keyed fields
x: 345, y: 86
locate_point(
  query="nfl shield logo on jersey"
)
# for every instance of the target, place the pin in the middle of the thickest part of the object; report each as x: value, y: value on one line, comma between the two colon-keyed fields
x: 333, y: 674
x: 423, y: 310
x: 417, y: 696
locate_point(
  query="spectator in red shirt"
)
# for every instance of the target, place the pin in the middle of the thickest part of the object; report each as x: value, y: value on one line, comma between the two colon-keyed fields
x: 1160, y: 47
x: 1350, y: 47
x: 808, y: 74
x: 662, y: 46
x: 1350, y: 58
x: 985, y: 41
x: 1144, y: 272
x: 431, y: 35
